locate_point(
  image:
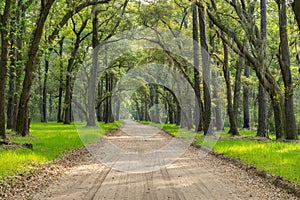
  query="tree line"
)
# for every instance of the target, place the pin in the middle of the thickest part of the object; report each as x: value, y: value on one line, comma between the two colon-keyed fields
x: 254, y: 45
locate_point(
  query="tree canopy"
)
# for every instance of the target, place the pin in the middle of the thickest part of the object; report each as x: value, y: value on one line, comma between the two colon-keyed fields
x: 245, y: 58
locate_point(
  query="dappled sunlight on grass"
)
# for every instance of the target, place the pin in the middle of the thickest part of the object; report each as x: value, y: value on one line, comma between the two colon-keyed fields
x: 278, y: 158
x: 49, y: 141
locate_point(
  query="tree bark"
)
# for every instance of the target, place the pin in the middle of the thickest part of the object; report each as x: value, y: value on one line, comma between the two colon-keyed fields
x: 216, y: 97
x: 22, y: 126
x: 44, y: 99
x: 107, y: 116
x: 156, y: 103
x: 232, y: 119
x: 67, y: 107
x: 246, y: 98
x: 170, y: 111
x: 296, y: 8
x: 205, y: 70
x: 215, y: 74
x: 4, y: 30
x: 262, y: 129
x: 60, y: 90
x: 12, y: 83
x: 20, y: 14
x: 237, y: 89
x: 266, y: 78
x: 284, y: 60
x: 22, y: 117
x: 100, y: 106
x: 117, y: 113
x: 91, y: 121
x: 138, y: 111
x: 68, y: 94
x: 278, y: 116
x: 198, y: 111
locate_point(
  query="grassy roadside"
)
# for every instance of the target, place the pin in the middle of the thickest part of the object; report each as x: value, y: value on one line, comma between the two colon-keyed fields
x: 49, y: 141
x: 275, y: 157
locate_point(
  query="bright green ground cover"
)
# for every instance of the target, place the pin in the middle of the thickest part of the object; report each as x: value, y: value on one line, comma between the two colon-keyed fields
x: 277, y: 158
x: 49, y: 141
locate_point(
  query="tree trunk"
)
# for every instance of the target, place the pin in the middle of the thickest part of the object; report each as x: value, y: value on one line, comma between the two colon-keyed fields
x: 267, y: 79
x: 60, y: 90
x: 107, y: 103
x: 100, y: 106
x: 246, y: 98
x: 237, y: 89
x: 216, y: 97
x: 39, y: 91
x: 178, y: 115
x: 23, y: 117
x: 117, y: 113
x: 226, y: 71
x: 111, y: 86
x: 50, y: 105
x: 12, y: 71
x: 215, y: 74
x: 44, y: 99
x: 68, y: 95
x: 284, y: 60
x: 19, y: 57
x: 170, y: 112
x: 146, y: 109
x: 198, y: 112
x: 67, y: 110
x: 262, y: 129
x: 296, y: 8
x: 138, y: 111
x: 156, y: 104
x: 205, y: 71
x: 278, y: 116
x: 4, y: 30
x: 11, y: 84
x: 91, y: 121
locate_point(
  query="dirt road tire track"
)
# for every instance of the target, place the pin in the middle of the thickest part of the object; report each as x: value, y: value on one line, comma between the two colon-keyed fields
x: 188, y: 178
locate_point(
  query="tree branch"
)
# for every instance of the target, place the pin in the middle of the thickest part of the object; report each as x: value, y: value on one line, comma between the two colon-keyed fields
x: 69, y: 14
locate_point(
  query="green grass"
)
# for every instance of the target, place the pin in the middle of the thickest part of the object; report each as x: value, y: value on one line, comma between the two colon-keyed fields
x: 277, y: 158
x: 49, y: 141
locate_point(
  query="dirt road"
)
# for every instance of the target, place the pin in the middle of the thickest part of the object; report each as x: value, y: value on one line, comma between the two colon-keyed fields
x: 188, y: 178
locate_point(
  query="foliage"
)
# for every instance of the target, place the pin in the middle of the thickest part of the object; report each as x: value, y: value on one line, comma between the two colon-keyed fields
x: 277, y: 158
x: 49, y: 142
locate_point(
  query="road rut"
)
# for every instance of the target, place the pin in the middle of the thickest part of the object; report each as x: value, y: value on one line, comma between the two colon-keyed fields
x: 188, y: 178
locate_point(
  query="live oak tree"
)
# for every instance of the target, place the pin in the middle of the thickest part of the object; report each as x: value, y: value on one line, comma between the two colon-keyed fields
x: 206, y: 72
x: 262, y: 129
x: 246, y: 112
x: 230, y: 111
x: 91, y: 121
x: 231, y: 34
x: 284, y: 62
x: 254, y: 57
x: 22, y: 126
x: 232, y: 103
x: 4, y: 32
x: 22, y: 122
x: 237, y: 89
x: 60, y: 90
x: 198, y: 106
x: 19, y: 35
x: 79, y: 38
